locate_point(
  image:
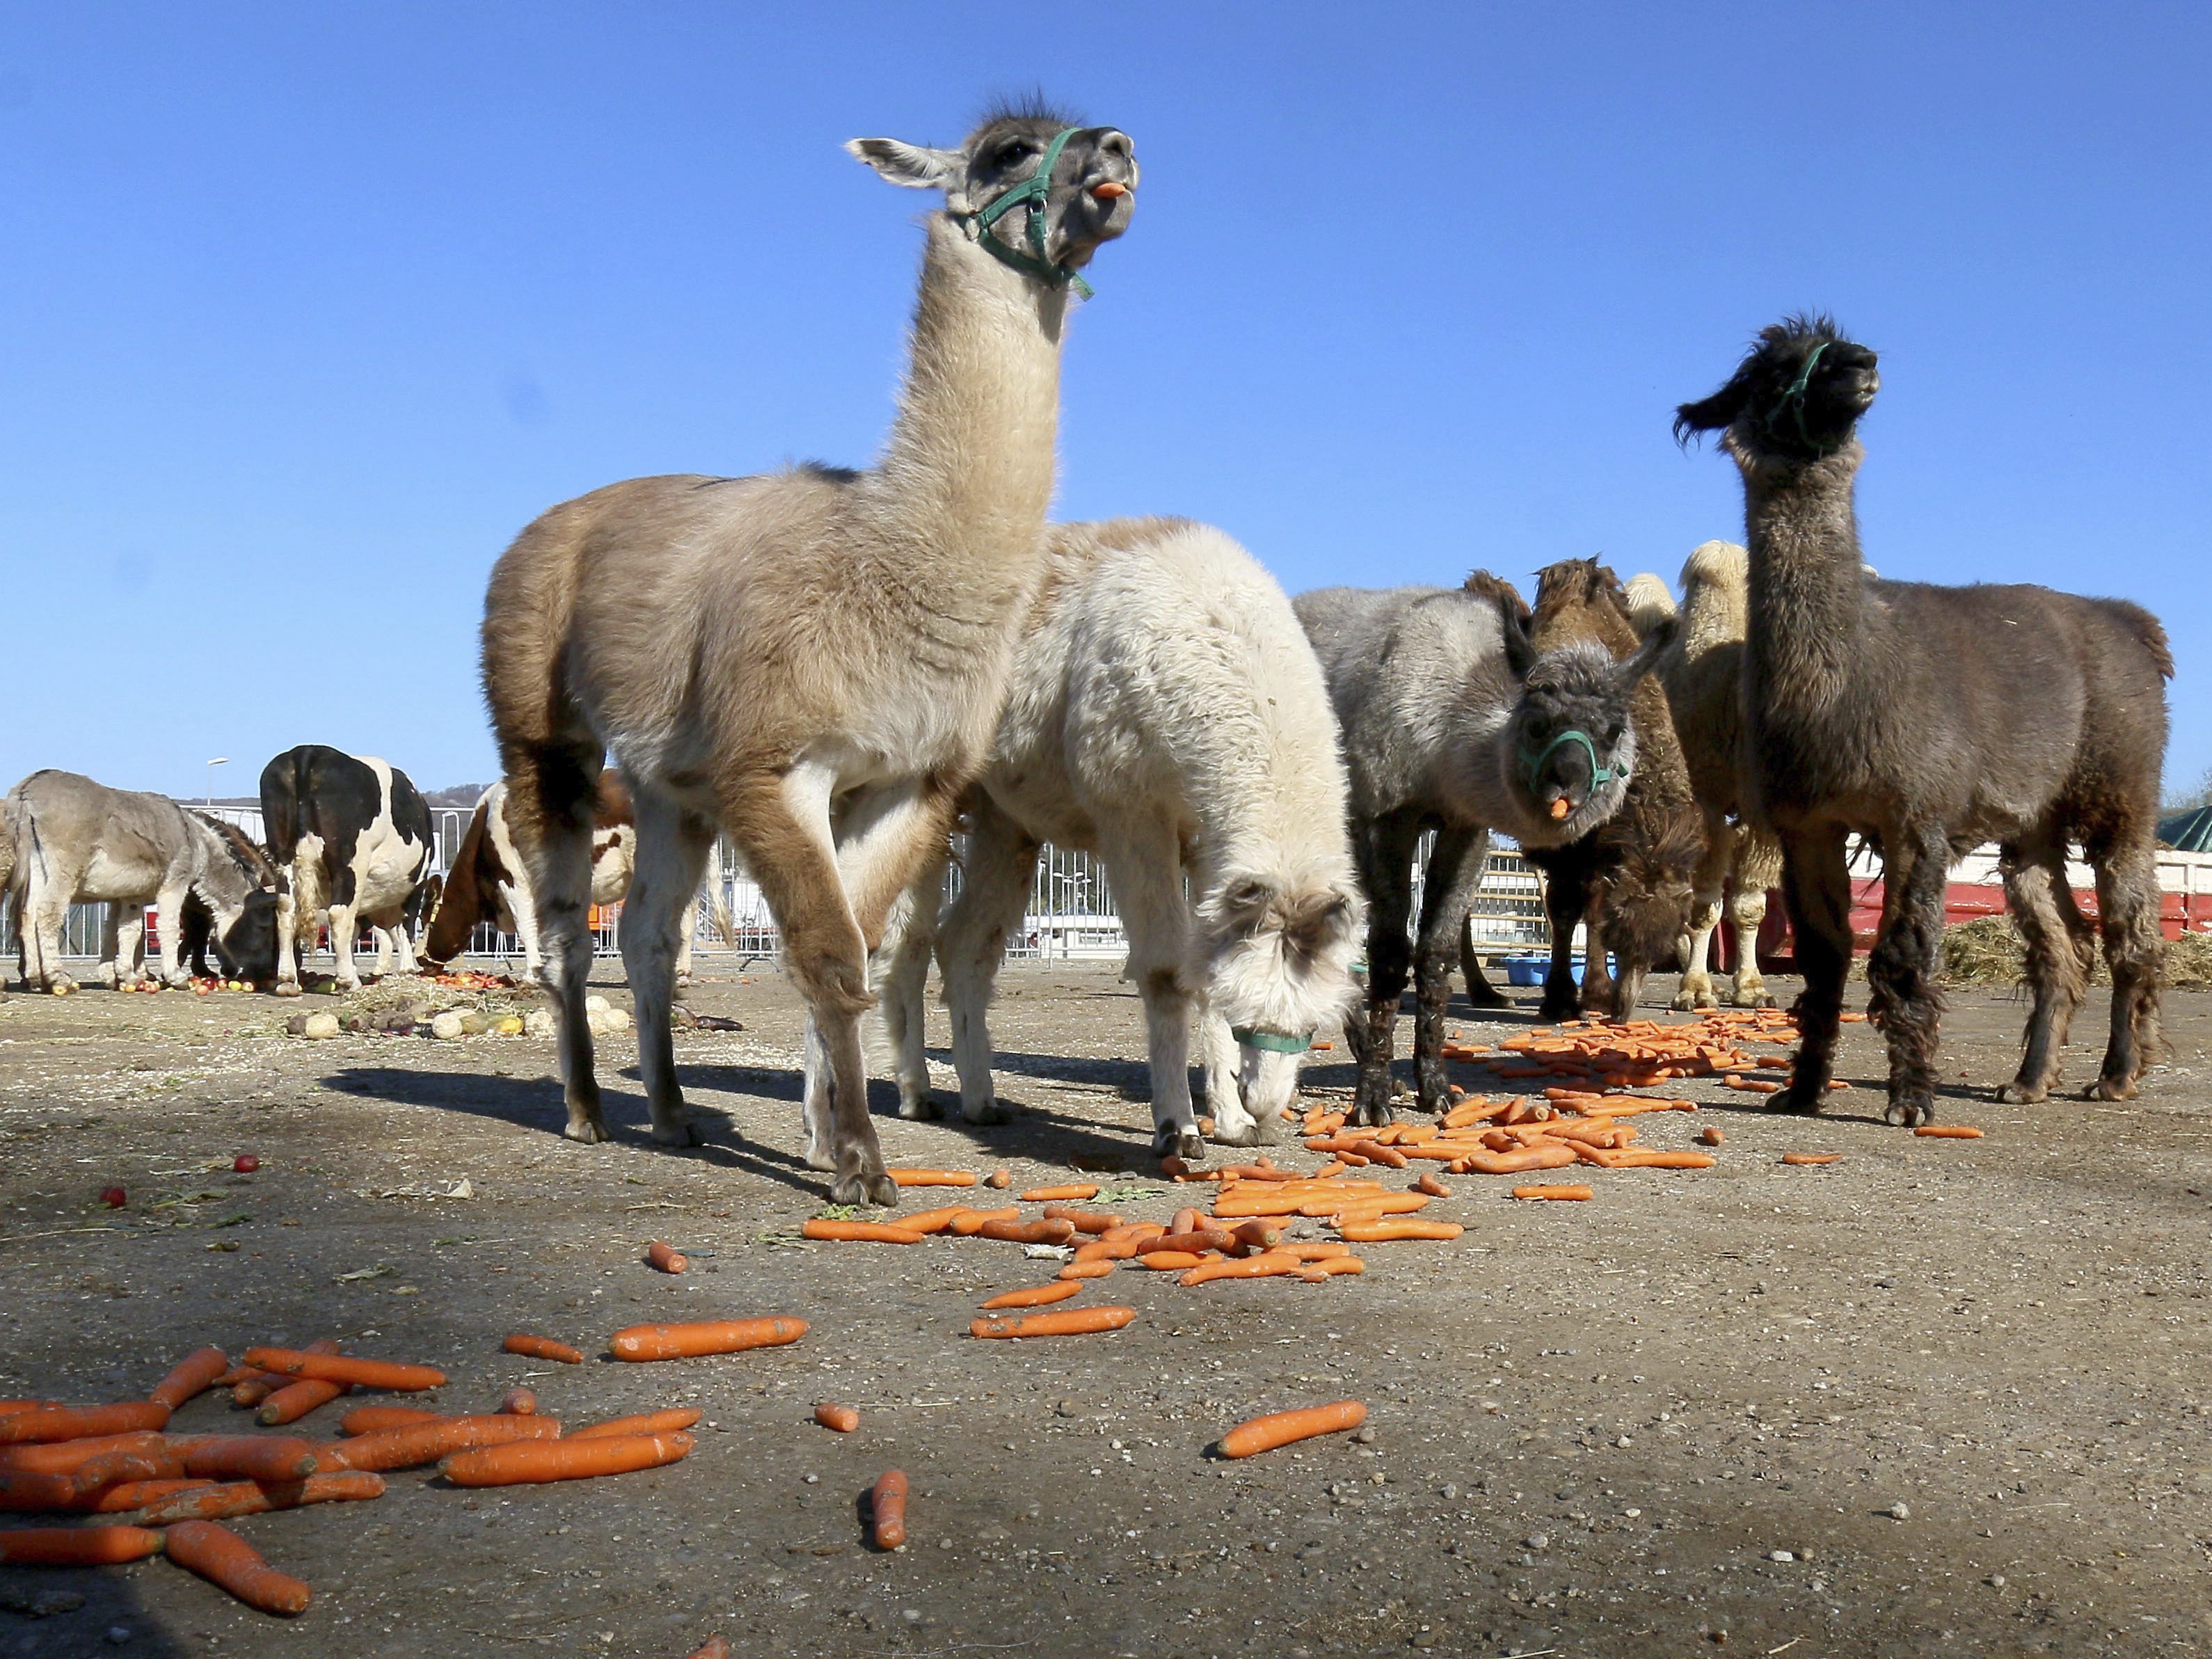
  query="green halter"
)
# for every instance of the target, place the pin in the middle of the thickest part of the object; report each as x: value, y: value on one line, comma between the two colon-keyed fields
x: 1036, y: 188
x: 1794, y: 401
x: 1278, y: 1043
x: 1533, y: 764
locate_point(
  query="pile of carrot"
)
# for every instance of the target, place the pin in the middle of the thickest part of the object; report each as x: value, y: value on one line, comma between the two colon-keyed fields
x: 1638, y: 1054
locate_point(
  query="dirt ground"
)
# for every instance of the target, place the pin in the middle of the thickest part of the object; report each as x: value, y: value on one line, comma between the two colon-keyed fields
x: 1937, y: 1398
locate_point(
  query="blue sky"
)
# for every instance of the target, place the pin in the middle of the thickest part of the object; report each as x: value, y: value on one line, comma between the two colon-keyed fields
x: 305, y: 311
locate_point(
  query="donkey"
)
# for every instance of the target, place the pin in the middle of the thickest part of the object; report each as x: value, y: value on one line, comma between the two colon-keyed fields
x: 1454, y: 722
x: 69, y: 840
x: 1929, y: 720
x: 812, y: 660
x: 1166, y: 715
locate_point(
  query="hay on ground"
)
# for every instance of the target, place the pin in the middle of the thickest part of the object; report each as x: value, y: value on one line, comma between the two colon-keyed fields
x: 1987, y: 951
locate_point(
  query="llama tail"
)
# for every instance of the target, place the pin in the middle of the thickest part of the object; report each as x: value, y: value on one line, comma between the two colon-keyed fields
x: 2149, y: 631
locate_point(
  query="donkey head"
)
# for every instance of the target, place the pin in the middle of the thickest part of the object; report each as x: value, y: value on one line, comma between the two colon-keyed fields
x: 1795, y: 399
x: 1569, y: 745
x: 241, y: 891
x: 1039, y: 193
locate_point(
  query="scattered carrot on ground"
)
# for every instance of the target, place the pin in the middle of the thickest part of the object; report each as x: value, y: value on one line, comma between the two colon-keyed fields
x: 705, y: 1337
x: 1061, y: 1321
x: 1028, y: 1232
x: 1570, y: 1194
x: 77, y: 1546
x: 1036, y: 1296
x: 712, y: 1648
x: 668, y: 1422
x: 238, y: 1497
x: 78, y: 1423
x: 339, y: 1368
x: 530, y: 1462
x: 295, y: 1400
x: 1812, y: 1157
x: 1710, y: 1137
x: 931, y: 1177
x: 194, y: 1374
x: 416, y: 1444
x: 1949, y: 1132
x: 519, y: 1402
x: 858, y: 1232
x: 887, y: 1510
x: 843, y: 1419
x: 252, y: 1457
x: 223, y: 1558
x: 1284, y: 1428
x: 543, y: 1347
x: 1389, y: 1230
x: 1000, y: 1179
x: 1074, y: 1193
x: 666, y: 1257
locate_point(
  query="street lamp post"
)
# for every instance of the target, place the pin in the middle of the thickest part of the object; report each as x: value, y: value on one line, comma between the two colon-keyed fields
x: 219, y: 760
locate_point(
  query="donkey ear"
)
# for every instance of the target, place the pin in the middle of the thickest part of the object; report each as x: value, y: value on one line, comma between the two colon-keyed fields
x: 1646, y: 657
x: 917, y: 167
x: 1715, y: 413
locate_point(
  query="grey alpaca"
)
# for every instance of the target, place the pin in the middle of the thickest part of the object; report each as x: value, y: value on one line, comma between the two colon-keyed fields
x: 1931, y: 719
x: 1453, y: 722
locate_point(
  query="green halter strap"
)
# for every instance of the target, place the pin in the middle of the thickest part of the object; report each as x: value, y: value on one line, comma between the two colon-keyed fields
x: 1535, y: 763
x: 1794, y: 401
x: 1035, y: 189
x: 1278, y: 1043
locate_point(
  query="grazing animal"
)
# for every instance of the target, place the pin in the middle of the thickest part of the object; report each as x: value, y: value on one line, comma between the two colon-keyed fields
x: 352, y: 834
x: 196, y: 931
x: 1929, y: 720
x: 490, y: 883
x: 1454, y: 722
x: 1167, y: 716
x: 812, y: 660
x: 1703, y: 672
x: 1628, y: 881
x: 67, y: 840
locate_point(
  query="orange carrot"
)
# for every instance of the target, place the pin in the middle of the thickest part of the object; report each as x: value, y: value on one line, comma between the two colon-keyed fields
x: 80, y: 1423
x: 887, y: 1510
x: 1552, y: 1156
x: 668, y: 1422
x: 255, y: 1498
x: 1028, y: 1232
x: 1170, y: 1261
x: 250, y: 1457
x: 1432, y: 1186
x: 1753, y: 1085
x: 1198, y: 1241
x: 25, y: 1493
x: 967, y: 1226
x: 223, y: 1558
x: 127, y: 1495
x: 1075, y: 1193
x: 9, y: 1406
x: 1036, y: 1296
x: 712, y: 1648
x: 1370, y: 1205
x: 1084, y: 1221
x: 1812, y: 1157
x: 1000, y: 1179
x: 1185, y: 1220
x: 1381, y: 1233
x: 666, y: 1257
x: 708, y: 1337
x: 336, y: 1368
x: 194, y: 1374
x: 77, y: 1546
x: 1079, y: 1271
x: 368, y: 1419
x: 843, y: 1419
x: 933, y: 1221
x: 1063, y: 1322
x: 542, y: 1347
x: 1258, y: 1234
x: 1320, y: 1252
x: 1314, y: 1272
x: 295, y: 1400
x: 1710, y: 1137
x: 417, y: 1443
x: 1949, y: 1132
x: 163, y: 1462
x: 532, y: 1462
x: 1286, y: 1428
x: 1572, y: 1194
x: 858, y: 1232
x: 1637, y: 1158
x: 931, y: 1178
x: 67, y: 1456
x: 1265, y: 1266
x: 517, y: 1402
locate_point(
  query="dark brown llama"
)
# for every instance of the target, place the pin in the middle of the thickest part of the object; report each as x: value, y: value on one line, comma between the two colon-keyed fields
x: 1931, y: 719
x: 1629, y: 881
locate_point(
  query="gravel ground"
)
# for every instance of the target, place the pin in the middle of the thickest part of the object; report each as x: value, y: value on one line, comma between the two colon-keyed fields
x: 1939, y: 1397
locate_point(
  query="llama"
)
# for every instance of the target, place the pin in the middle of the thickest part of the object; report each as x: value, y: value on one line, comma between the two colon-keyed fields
x: 1167, y: 716
x: 1628, y: 881
x: 1929, y: 719
x: 1703, y: 672
x: 1454, y: 722
x: 814, y: 659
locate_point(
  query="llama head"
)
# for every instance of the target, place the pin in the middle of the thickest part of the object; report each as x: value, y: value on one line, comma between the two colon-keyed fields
x: 1274, y: 953
x: 1038, y: 191
x: 1644, y: 906
x: 1795, y: 399
x: 1569, y: 745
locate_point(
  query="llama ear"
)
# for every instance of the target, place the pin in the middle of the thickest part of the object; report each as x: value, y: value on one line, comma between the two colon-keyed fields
x: 917, y: 167
x: 1320, y: 919
x: 1520, y: 650
x: 1715, y: 413
x: 1646, y: 656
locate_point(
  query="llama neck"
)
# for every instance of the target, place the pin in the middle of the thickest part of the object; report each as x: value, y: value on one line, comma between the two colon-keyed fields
x: 968, y: 472
x: 1808, y: 586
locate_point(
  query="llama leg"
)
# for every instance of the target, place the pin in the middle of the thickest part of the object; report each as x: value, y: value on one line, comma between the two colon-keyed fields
x: 550, y: 797
x: 905, y: 979
x: 1448, y: 894
x: 1146, y: 873
x: 1756, y: 866
x: 1817, y: 884
x: 672, y: 851
x: 1707, y: 887
x: 2127, y: 912
x: 995, y: 877
x: 1567, y: 899
x: 1598, y: 995
x: 2034, y: 873
x: 1385, y: 852
x: 1905, y: 1004
x: 1480, y: 993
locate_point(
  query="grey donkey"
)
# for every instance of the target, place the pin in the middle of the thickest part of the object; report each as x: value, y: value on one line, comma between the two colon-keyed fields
x: 1929, y: 720
x: 1454, y: 722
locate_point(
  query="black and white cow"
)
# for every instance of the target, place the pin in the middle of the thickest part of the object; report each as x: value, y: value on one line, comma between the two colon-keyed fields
x: 353, y: 834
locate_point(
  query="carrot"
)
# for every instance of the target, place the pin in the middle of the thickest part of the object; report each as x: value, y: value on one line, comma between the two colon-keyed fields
x: 887, y: 1510
x: 933, y: 1221
x: 223, y: 1558
x: 1252, y: 1266
x: 1000, y: 1179
x: 1037, y: 1295
x: 113, y: 1468
x: 967, y: 1226
x: 127, y: 1495
x: 1432, y: 1186
x: 67, y: 1456
x: 1076, y: 1192
x: 1948, y: 1132
x: 1174, y: 1168
x: 1326, y: 1251
x: 1064, y: 1321
x: 843, y: 1419
x: 533, y: 1462
x: 1812, y: 1157
x: 417, y: 1443
x: 1753, y: 1085
x: 78, y: 1423
x: 192, y: 1374
x: 931, y: 1177
x: 255, y: 1498
x: 668, y: 1422
x: 712, y: 1648
x: 1389, y: 1155
x: 711, y: 1336
x: 77, y: 1546
x: 368, y: 1419
x: 1637, y: 1158
x: 295, y: 1400
x: 1258, y: 1234
x: 336, y: 1368
x: 1382, y: 1232
x: 666, y: 1257
x: 542, y: 1347
x: 1710, y: 1137
x: 1029, y: 1232
x: 250, y: 1457
x: 1378, y: 1205
x: 517, y: 1402
x: 1572, y: 1194
x: 1100, y: 1249
x: 1079, y: 1271
x: 10, y: 1407
x: 1170, y: 1261
x: 1198, y: 1241
x: 858, y: 1232
x: 22, y: 1492
x: 1314, y: 1272
x: 1084, y: 1221
x: 1286, y: 1428
x: 1185, y: 1220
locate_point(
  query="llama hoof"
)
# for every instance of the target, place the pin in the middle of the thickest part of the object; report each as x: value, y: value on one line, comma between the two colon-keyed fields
x: 1484, y: 994
x: 1688, y: 1002
x: 920, y: 1107
x: 1911, y: 1112
x: 1374, y: 1115
x: 682, y: 1132
x: 1552, y: 1010
x: 586, y: 1132
x: 1247, y: 1134
x: 2105, y: 1088
x: 990, y: 1111
x: 2018, y: 1094
x: 866, y: 1189
x: 1756, y: 997
x: 1805, y: 1103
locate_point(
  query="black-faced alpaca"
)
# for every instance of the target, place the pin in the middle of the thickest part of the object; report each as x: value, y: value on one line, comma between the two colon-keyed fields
x: 1628, y: 881
x: 1931, y: 719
